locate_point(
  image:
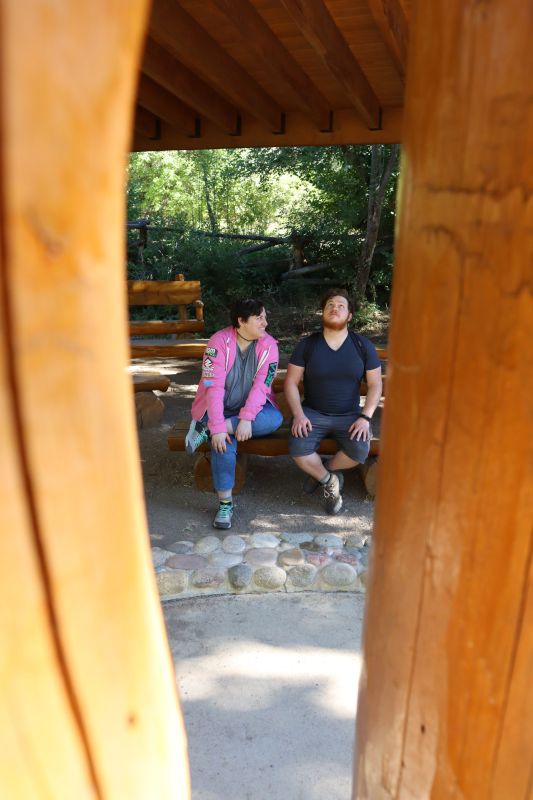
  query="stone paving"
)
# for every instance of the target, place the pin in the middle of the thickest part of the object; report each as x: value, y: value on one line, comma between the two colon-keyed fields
x: 262, y: 562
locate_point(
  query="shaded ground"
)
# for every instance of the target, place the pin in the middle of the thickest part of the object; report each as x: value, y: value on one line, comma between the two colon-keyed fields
x: 272, y: 499
x: 268, y: 685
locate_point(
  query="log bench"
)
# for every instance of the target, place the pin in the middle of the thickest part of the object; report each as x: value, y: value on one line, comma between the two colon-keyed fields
x: 179, y: 294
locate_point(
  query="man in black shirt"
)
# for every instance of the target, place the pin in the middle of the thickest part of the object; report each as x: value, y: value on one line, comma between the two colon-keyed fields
x: 332, y: 364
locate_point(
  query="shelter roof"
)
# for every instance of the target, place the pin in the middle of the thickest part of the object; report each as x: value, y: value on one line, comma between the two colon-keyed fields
x: 230, y: 73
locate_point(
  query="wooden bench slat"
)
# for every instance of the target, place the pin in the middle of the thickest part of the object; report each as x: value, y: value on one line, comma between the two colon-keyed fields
x: 163, y: 293
x: 150, y: 383
x: 275, y: 444
x: 154, y: 327
x: 178, y: 350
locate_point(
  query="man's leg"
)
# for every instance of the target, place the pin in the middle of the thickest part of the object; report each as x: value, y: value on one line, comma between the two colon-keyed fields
x: 341, y: 461
x: 303, y: 451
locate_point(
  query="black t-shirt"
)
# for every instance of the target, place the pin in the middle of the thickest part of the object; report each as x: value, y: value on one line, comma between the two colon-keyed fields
x: 332, y: 377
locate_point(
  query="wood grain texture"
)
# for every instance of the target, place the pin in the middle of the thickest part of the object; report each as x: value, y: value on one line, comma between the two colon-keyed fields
x: 164, y: 293
x: 88, y: 705
x: 446, y: 708
x: 275, y: 444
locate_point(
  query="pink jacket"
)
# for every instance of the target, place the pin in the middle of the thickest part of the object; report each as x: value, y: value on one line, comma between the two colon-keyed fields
x: 218, y: 360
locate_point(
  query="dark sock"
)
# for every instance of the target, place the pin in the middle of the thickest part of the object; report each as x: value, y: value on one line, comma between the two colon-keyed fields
x: 323, y: 481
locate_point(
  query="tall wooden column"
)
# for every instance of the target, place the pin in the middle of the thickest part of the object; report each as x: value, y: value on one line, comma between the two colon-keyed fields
x: 88, y: 706
x: 446, y: 698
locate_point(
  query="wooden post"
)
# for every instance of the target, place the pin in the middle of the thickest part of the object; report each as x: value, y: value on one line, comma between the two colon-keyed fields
x: 88, y: 705
x: 446, y: 697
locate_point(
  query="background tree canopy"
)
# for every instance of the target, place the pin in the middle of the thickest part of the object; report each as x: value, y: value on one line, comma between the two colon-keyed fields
x: 331, y: 208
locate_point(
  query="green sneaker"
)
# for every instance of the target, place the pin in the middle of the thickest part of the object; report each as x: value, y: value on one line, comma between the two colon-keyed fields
x: 196, y: 436
x: 223, y: 516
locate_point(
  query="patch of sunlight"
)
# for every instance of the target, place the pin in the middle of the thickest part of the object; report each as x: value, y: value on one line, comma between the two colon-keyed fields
x: 329, y: 678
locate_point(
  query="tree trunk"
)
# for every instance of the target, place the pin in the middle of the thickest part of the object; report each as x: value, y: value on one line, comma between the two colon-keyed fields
x: 379, y: 180
x: 207, y: 192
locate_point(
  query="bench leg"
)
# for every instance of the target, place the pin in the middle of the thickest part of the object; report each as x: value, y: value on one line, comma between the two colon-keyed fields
x: 202, y: 473
x: 369, y: 474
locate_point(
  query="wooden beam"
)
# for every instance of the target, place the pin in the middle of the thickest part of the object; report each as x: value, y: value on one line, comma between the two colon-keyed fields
x: 189, y: 43
x: 348, y: 128
x: 390, y: 18
x: 146, y: 123
x: 317, y: 25
x: 275, y: 59
x: 88, y: 705
x: 166, y: 106
x: 446, y: 699
x: 163, y: 68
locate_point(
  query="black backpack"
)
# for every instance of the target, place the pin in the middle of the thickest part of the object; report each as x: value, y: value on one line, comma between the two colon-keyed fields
x: 313, y: 338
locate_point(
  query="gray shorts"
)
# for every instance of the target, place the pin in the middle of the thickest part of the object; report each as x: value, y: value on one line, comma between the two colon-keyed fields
x: 329, y: 426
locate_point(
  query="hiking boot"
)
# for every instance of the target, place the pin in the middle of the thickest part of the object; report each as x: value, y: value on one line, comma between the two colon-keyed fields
x: 223, y: 516
x: 196, y: 436
x: 310, y: 483
x: 332, y: 494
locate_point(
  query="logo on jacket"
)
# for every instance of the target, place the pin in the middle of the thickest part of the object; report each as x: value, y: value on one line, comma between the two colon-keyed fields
x: 211, y: 351
x: 270, y: 374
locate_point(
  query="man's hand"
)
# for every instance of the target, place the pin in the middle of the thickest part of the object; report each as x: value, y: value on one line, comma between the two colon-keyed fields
x: 243, y: 430
x: 360, y: 430
x: 301, y: 426
x: 218, y: 441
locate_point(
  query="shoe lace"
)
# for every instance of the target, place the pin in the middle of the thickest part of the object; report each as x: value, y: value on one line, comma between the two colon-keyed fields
x: 225, y: 510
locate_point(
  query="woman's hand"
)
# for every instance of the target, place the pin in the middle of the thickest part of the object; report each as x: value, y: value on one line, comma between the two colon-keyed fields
x: 243, y: 430
x: 218, y: 442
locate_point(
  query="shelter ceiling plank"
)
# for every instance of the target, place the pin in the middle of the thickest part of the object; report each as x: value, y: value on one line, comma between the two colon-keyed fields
x: 391, y: 20
x: 163, y: 68
x: 146, y: 123
x: 276, y: 60
x: 184, y: 38
x: 166, y: 106
x: 320, y: 30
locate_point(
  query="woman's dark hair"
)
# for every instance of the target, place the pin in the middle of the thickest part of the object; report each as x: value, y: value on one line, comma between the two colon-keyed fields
x: 244, y: 309
x: 337, y: 293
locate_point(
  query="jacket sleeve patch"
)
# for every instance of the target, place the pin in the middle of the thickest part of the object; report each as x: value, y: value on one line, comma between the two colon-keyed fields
x: 271, y: 372
x: 211, y: 351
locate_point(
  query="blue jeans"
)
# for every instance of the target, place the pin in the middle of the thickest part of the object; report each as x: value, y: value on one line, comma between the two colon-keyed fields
x: 223, y: 464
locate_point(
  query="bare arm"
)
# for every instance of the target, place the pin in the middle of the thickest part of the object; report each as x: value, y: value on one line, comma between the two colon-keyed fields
x: 373, y: 392
x: 301, y: 425
x: 360, y: 429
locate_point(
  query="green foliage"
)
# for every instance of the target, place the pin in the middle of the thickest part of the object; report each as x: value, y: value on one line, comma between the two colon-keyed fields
x: 320, y: 193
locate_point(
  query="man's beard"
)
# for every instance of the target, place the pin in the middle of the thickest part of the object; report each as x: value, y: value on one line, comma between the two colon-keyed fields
x: 334, y: 326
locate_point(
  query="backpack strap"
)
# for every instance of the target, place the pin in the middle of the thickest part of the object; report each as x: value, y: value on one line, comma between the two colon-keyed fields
x: 360, y: 347
x: 310, y: 344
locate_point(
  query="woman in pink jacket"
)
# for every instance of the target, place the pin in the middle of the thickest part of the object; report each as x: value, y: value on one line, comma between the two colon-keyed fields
x: 235, y: 401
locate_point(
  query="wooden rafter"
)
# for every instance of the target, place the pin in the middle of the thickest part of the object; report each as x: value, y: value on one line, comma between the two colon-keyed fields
x: 391, y: 20
x: 166, y: 106
x: 163, y: 68
x: 316, y: 24
x: 185, y: 39
x: 275, y: 59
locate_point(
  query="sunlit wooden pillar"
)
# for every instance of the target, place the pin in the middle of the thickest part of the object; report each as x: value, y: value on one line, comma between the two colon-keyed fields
x: 88, y: 707
x: 446, y: 697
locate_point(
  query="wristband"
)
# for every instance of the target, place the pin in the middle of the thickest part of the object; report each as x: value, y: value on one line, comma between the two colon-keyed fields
x: 368, y: 419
